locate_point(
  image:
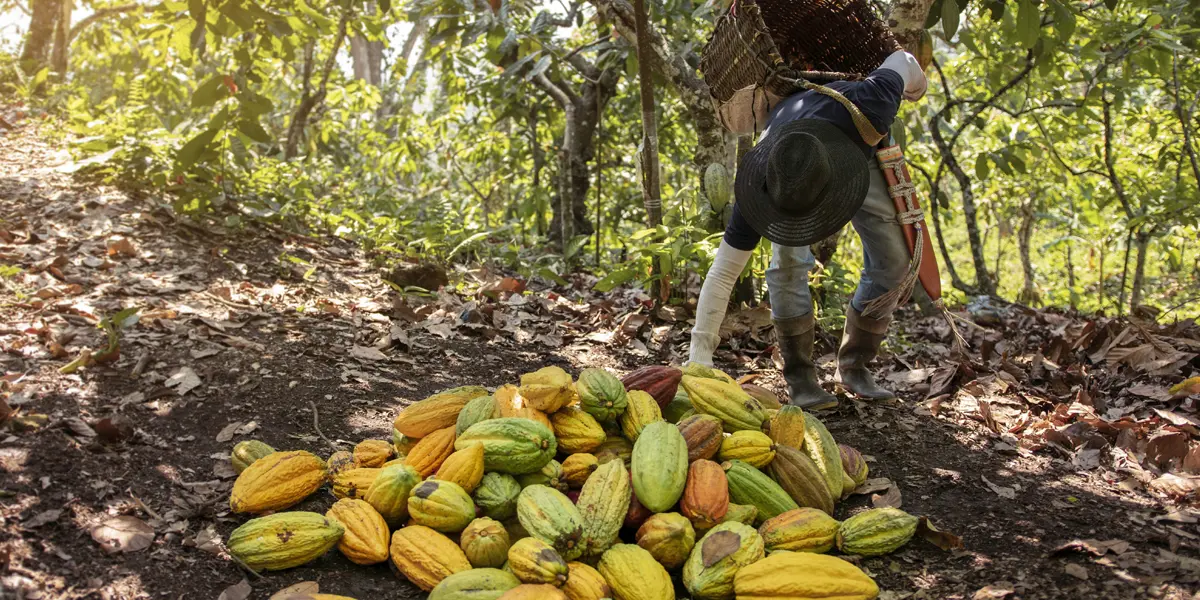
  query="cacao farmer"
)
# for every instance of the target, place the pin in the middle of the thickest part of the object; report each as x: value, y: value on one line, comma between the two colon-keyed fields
x: 813, y: 171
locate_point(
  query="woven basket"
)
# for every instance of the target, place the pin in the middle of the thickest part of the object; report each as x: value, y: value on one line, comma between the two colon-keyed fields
x: 765, y: 50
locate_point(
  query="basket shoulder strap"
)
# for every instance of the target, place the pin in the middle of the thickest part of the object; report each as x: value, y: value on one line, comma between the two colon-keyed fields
x: 861, y: 122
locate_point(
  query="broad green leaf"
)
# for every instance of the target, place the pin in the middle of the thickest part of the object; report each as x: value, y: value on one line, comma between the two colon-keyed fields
x: 482, y: 235
x: 614, y: 279
x: 1064, y: 20
x: 982, y: 167
x: 191, y: 151
x: 385, y: 6
x: 935, y: 13
x: 1028, y: 23
x: 949, y: 19
x: 1111, y: 4
x: 209, y: 92
x: 253, y: 130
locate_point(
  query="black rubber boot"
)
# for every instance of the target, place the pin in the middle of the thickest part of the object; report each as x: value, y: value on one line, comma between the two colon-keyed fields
x: 860, y: 344
x: 795, y: 337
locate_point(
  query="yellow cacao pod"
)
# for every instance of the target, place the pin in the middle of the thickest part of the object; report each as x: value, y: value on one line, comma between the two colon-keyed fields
x: 633, y: 574
x: 751, y: 447
x: 365, y: 541
x: 803, y: 576
x: 277, y: 481
x: 438, y: 411
x: 340, y: 461
x: 585, y: 583
x: 640, y: 411
x: 576, y: 431
x: 534, y: 591
x: 534, y: 561
x: 787, y: 427
x: 354, y: 483
x: 576, y: 468
x: 373, y: 453
x: 547, y: 389
x: 429, y: 453
x: 464, y: 467
x: 425, y: 557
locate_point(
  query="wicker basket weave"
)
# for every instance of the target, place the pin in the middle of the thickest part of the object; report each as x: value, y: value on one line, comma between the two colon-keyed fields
x: 764, y: 50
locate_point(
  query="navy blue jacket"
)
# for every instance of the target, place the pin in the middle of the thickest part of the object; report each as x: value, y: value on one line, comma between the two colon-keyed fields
x: 878, y: 97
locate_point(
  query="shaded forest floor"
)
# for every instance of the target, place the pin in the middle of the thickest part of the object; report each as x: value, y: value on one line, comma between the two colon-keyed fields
x: 1056, y: 452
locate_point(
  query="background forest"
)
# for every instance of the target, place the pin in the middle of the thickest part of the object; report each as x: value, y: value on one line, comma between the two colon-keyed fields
x: 1057, y: 141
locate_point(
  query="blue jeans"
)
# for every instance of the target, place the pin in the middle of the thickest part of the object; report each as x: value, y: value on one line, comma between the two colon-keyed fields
x: 885, y: 257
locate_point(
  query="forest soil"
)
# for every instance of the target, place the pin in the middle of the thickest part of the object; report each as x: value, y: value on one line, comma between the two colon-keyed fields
x: 220, y: 322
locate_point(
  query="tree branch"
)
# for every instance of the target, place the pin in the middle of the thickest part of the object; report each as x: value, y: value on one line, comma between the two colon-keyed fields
x: 1109, y: 162
x: 1184, y: 118
x: 101, y: 14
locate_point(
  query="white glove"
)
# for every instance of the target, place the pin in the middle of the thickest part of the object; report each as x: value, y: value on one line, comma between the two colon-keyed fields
x: 714, y: 298
x: 910, y: 71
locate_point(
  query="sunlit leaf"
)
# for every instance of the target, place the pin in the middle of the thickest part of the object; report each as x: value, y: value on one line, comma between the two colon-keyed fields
x: 1028, y: 23
x: 209, y: 92
x: 191, y: 151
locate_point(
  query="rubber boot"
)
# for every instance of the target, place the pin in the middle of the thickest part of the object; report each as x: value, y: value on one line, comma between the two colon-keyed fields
x: 795, y: 337
x: 860, y: 344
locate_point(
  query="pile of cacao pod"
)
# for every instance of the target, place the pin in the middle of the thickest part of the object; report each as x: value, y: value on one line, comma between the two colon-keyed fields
x: 581, y: 489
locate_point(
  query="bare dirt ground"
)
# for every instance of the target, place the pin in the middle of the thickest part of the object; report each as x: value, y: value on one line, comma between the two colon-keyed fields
x: 1063, y: 477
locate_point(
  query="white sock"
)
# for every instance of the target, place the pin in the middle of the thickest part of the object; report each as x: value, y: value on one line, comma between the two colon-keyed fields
x: 714, y: 298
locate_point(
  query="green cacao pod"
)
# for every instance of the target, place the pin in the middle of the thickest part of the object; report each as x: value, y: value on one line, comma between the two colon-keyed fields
x: 550, y: 475
x: 641, y: 411
x: 284, y: 540
x: 633, y: 574
x: 441, y: 506
x: 799, y: 476
x: 497, y: 496
x: 601, y: 394
x: 726, y: 401
x: 534, y: 561
x: 389, y: 492
x: 746, y: 514
x: 876, y: 531
x: 548, y: 515
x: 823, y: 450
x: 476, y: 584
x: 402, y: 443
x: 713, y: 563
x: 678, y: 407
x: 511, y: 445
x: 485, y: 542
x: 245, y: 453
x: 614, y: 448
x: 800, y: 530
x: 603, y: 504
x: 576, y: 430
x: 668, y: 537
x: 659, y: 466
x: 748, y: 485
x: 717, y: 187
x: 477, y: 410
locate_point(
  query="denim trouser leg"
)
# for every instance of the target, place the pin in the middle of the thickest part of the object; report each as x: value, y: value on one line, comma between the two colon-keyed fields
x: 885, y: 256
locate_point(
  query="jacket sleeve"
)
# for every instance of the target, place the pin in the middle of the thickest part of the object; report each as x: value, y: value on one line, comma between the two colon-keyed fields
x: 878, y: 97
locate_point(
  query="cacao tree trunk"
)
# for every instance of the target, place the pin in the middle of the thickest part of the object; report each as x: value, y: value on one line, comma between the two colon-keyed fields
x: 58, y: 57
x: 38, y: 42
x: 1028, y: 294
x: 1139, y: 272
x: 906, y: 18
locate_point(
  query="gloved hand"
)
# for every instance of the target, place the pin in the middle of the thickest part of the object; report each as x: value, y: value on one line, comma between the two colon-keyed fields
x: 910, y: 71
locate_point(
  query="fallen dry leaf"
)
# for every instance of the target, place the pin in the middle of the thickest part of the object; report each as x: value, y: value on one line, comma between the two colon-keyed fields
x: 942, y: 539
x: 994, y: 592
x: 46, y: 516
x: 366, y: 353
x: 1000, y: 490
x: 1076, y: 571
x: 890, y: 498
x: 227, y: 432
x: 123, y: 534
x: 237, y: 591
x: 112, y: 430
x: 1096, y: 547
x: 304, y: 587
x: 873, y: 485
x: 184, y: 380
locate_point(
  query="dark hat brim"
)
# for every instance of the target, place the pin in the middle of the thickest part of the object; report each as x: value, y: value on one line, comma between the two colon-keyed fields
x: 842, y: 197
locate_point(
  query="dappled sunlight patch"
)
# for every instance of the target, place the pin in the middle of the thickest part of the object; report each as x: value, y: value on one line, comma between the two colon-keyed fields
x: 13, y: 460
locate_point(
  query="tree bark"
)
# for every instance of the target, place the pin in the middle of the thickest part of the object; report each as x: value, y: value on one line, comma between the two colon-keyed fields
x: 58, y: 56
x: 38, y: 42
x: 983, y: 280
x: 368, y: 59
x: 651, y: 187
x: 1029, y: 295
x: 309, y: 101
x: 1139, y: 272
x: 906, y: 18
